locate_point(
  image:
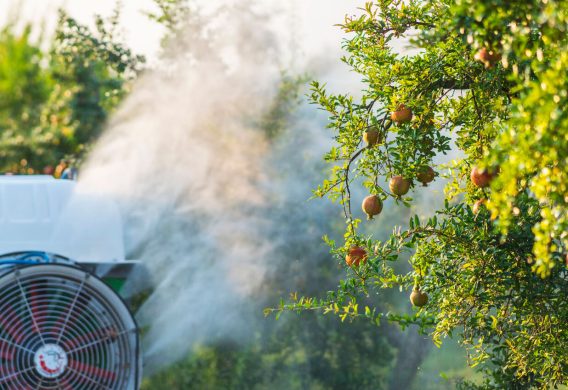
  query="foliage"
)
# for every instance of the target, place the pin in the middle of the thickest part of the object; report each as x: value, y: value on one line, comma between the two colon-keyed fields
x: 277, y: 117
x: 23, y: 84
x: 496, y: 278
x: 96, y: 67
x: 24, y: 87
x: 173, y: 15
x: 55, y: 104
x: 299, y: 353
x: 178, y: 17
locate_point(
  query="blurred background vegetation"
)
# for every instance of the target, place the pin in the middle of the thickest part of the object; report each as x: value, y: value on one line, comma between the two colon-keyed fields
x: 57, y: 92
x: 54, y: 102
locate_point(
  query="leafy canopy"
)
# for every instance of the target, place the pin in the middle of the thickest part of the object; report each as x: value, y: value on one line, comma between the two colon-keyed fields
x: 488, y: 81
x: 54, y: 104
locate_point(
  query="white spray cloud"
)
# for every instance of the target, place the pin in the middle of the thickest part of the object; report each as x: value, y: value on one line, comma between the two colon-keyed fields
x: 183, y: 158
x: 198, y: 182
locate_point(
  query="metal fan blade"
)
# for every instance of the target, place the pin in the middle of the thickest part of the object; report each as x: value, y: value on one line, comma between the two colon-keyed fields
x: 65, y: 385
x: 67, y: 318
x: 34, y: 300
x: 7, y: 351
x: 100, y: 335
x: 11, y: 381
x: 12, y: 324
x: 91, y: 370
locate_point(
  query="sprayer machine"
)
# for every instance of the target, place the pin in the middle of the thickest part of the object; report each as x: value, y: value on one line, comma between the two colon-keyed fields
x: 63, y: 324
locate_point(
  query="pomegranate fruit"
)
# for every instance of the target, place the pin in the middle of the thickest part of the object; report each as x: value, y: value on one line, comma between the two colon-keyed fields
x: 372, y: 205
x: 481, y: 177
x: 372, y: 137
x: 402, y: 114
x: 399, y: 185
x: 355, y: 256
x: 418, y: 298
x: 487, y: 57
x: 477, y: 205
x: 426, y: 176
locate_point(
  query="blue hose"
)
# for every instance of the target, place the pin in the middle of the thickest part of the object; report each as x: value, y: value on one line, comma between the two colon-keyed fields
x: 24, y: 259
x: 18, y: 262
x: 36, y: 254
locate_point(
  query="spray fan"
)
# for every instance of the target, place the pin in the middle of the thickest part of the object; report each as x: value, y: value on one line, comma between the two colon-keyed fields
x: 63, y: 324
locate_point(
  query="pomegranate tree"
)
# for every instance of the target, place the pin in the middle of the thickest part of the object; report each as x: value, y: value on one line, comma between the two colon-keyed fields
x: 491, y: 282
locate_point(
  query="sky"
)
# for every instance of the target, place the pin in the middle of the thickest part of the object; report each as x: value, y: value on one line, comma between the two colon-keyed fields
x: 142, y: 35
x: 311, y: 23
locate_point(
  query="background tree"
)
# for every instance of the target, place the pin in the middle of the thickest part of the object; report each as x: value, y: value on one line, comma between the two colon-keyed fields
x: 489, y: 79
x: 55, y: 104
x: 24, y: 87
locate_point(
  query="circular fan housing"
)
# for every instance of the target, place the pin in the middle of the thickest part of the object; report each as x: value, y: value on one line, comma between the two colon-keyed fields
x: 63, y: 328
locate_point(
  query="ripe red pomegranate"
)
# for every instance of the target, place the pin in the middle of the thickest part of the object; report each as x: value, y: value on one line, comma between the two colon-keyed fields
x: 418, y: 298
x: 372, y: 205
x: 488, y: 57
x: 477, y: 205
x: 426, y: 176
x: 399, y: 185
x: 402, y: 114
x: 355, y: 256
x: 372, y: 137
x: 481, y: 177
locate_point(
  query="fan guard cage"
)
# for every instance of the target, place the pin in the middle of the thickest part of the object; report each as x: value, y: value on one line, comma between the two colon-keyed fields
x: 63, y: 328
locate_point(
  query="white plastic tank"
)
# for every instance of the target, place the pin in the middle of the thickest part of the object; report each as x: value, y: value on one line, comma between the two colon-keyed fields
x: 40, y: 213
